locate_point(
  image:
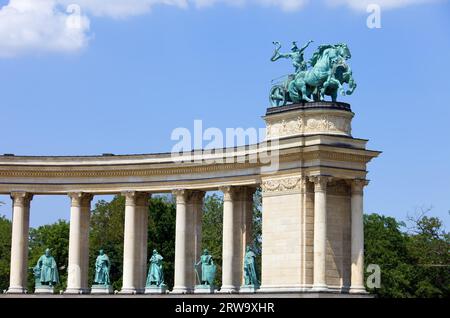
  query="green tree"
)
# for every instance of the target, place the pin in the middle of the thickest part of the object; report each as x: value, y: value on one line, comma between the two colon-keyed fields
x: 212, y: 230
x: 55, y: 237
x: 414, y: 263
x: 428, y: 248
x: 107, y: 228
x: 107, y: 232
x: 386, y: 245
x: 5, y: 251
x: 161, y: 233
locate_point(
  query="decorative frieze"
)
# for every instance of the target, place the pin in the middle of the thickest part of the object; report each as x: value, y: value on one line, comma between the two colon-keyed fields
x: 283, y: 184
x: 309, y: 123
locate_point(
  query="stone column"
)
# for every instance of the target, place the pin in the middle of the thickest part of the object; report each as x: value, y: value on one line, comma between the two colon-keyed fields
x: 19, y: 244
x: 320, y: 232
x: 142, y: 265
x: 196, y: 204
x: 134, y: 257
x: 357, y: 235
x: 232, y: 241
x: 77, y: 279
x: 183, y: 242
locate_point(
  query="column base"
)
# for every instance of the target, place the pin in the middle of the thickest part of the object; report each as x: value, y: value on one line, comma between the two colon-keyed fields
x: 156, y: 290
x: 17, y: 290
x: 228, y: 290
x: 182, y: 290
x: 357, y: 290
x: 131, y: 291
x: 77, y: 291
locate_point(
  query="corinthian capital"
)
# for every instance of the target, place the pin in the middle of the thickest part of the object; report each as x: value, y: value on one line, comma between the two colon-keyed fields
x: 181, y: 195
x: 21, y: 198
x: 80, y: 198
x: 358, y: 185
x: 229, y: 193
x: 320, y: 182
x: 135, y: 198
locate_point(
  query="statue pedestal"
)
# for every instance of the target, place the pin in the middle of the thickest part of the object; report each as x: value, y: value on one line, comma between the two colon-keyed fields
x: 248, y: 289
x: 204, y: 289
x: 156, y: 290
x: 76, y: 291
x: 102, y: 289
x: 308, y: 119
x: 44, y: 289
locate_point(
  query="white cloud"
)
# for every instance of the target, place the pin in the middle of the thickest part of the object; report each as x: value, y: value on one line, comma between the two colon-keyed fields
x: 37, y: 26
x: 361, y: 5
x: 28, y: 26
x: 122, y: 8
x: 285, y: 5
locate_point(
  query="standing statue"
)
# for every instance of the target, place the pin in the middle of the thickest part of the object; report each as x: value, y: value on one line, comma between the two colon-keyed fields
x: 208, y: 269
x: 296, y: 54
x: 46, y: 271
x: 328, y: 73
x: 102, y: 266
x: 250, y: 276
x: 155, y: 275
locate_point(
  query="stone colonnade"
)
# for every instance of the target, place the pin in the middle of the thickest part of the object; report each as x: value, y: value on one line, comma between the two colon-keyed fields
x: 238, y: 205
x: 237, y: 233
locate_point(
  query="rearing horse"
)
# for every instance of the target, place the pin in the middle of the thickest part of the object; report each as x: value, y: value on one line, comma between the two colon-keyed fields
x: 311, y: 81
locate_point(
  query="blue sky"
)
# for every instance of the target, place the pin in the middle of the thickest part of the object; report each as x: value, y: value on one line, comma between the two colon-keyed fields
x: 135, y: 71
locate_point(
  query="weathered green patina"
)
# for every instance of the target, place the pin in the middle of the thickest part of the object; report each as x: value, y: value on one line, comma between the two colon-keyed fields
x: 250, y: 276
x: 327, y: 73
x: 46, y: 271
x: 208, y: 269
x: 155, y: 275
x: 102, y: 267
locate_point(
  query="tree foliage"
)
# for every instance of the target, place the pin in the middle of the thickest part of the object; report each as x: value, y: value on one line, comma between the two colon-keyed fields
x: 5, y: 251
x: 107, y: 228
x: 56, y: 238
x: 413, y: 263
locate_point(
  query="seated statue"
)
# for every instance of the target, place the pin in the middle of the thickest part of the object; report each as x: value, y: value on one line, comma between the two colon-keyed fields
x: 208, y: 269
x: 155, y: 275
x: 102, y: 266
x: 46, y: 271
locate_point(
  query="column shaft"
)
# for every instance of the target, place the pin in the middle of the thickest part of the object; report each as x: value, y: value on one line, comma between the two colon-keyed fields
x: 231, y: 240
x: 77, y: 280
x: 320, y: 232
x: 134, y: 263
x: 357, y: 236
x: 183, y: 283
x: 19, y: 242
